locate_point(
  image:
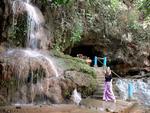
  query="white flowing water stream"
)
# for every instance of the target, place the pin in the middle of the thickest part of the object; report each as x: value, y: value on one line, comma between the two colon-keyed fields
x: 29, y: 84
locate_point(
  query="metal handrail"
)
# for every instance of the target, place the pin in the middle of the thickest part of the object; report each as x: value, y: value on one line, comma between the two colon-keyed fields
x: 111, y: 70
x: 130, y: 87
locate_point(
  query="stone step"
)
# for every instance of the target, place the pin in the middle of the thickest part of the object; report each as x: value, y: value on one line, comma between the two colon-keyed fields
x: 100, y: 78
x: 99, y: 89
x: 100, y: 85
x: 99, y: 82
x: 97, y: 96
x: 99, y: 93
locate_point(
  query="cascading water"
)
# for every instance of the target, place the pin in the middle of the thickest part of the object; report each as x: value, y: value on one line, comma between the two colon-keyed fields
x: 141, y: 90
x: 36, y: 34
x: 29, y: 70
x: 76, y: 97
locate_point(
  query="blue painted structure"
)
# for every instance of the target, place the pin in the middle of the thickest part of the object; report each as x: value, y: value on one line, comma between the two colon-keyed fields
x: 105, y: 61
x: 95, y: 61
x: 130, y: 90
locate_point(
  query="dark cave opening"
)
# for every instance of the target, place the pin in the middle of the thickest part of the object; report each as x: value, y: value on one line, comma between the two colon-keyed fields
x: 88, y: 51
x: 119, y: 66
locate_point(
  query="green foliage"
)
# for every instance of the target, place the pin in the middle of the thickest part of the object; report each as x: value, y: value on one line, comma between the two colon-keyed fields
x: 56, y: 2
x: 18, y: 32
x: 70, y: 29
x: 115, y: 4
x: 86, y: 91
x: 78, y: 19
x: 67, y: 94
x: 59, y: 2
x: 75, y: 64
x: 132, y: 19
x: 144, y: 6
x: 134, y: 25
x: 77, y: 31
x: 44, y: 1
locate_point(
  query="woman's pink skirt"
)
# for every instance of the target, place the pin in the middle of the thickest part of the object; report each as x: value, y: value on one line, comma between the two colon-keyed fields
x: 108, y: 94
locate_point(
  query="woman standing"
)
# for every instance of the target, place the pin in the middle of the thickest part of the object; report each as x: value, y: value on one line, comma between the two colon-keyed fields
x: 108, y: 94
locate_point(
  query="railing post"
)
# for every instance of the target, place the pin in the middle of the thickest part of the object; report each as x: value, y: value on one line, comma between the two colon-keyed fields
x: 130, y: 91
x: 105, y: 61
x: 95, y: 61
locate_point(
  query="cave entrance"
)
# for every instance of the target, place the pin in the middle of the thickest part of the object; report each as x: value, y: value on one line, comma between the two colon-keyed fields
x: 87, y: 50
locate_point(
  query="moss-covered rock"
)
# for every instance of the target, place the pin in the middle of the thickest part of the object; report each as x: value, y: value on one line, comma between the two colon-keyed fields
x: 73, y: 63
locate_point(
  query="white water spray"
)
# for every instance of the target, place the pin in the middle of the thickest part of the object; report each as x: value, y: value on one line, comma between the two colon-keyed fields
x: 37, y: 36
x: 37, y: 55
x: 76, y: 97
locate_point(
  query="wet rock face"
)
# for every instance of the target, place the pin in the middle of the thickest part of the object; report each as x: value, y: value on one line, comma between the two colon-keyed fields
x: 4, y: 19
x: 26, y: 76
x: 53, y: 90
x: 84, y: 83
x: 29, y: 78
x: 132, y: 60
x: 2, y: 8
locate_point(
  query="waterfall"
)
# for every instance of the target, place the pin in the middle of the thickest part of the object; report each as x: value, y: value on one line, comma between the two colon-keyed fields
x: 31, y: 69
x: 36, y: 54
x: 36, y: 33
